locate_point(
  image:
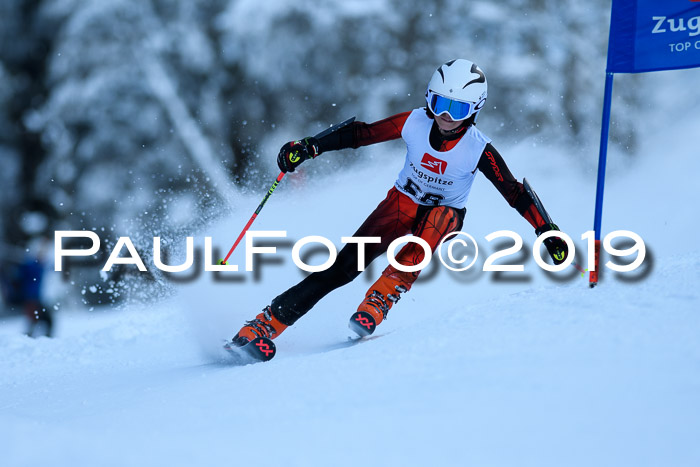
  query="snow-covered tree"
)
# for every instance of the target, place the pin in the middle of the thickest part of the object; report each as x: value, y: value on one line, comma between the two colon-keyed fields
x: 313, y: 60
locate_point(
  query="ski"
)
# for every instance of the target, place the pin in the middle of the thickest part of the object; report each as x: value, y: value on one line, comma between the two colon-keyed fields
x: 362, y: 323
x: 260, y: 349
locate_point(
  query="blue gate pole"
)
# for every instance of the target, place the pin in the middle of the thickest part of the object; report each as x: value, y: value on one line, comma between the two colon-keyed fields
x: 602, y: 159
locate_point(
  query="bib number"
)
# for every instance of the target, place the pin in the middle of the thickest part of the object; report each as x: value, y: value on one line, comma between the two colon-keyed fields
x: 412, y: 188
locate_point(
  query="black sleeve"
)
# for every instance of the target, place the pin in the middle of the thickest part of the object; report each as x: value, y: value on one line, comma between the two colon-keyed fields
x: 342, y: 139
x: 492, y: 165
x: 362, y: 134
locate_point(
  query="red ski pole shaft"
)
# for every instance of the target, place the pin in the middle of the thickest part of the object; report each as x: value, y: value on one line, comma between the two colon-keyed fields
x: 322, y: 134
x: 252, y: 218
x: 578, y: 267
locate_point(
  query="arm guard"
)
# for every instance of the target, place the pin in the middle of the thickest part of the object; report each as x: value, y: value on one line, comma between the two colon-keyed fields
x: 556, y: 247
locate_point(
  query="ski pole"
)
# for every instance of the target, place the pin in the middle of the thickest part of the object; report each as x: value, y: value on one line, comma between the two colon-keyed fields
x: 325, y: 132
x: 252, y: 218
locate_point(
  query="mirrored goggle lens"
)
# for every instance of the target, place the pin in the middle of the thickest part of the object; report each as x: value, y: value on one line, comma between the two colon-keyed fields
x: 456, y: 109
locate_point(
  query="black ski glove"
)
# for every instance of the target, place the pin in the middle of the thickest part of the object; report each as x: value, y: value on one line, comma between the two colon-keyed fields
x: 556, y: 247
x: 295, y: 152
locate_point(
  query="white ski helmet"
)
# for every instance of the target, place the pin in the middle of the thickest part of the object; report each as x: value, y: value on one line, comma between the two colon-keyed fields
x: 457, y: 88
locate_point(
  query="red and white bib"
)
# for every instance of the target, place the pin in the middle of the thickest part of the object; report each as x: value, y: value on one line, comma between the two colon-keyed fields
x: 435, y: 178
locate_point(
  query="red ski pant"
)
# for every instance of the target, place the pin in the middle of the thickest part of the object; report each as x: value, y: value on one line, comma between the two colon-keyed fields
x: 397, y: 215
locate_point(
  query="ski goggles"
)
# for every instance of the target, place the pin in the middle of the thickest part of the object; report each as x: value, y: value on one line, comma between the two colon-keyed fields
x: 457, y: 110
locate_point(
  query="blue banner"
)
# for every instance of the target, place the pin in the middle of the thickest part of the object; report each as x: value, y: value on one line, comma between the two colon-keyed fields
x: 652, y: 35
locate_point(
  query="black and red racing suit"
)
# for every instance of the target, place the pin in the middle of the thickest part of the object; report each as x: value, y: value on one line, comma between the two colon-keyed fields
x: 397, y: 214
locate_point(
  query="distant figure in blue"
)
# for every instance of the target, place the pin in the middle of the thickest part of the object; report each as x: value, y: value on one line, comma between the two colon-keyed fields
x: 38, y: 313
x: 22, y: 287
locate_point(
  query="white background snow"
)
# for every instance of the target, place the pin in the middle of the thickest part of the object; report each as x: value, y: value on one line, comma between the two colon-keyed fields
x: 467, y: 370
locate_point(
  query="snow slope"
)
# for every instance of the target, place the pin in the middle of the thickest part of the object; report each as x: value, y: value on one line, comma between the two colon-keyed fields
x: 467, y: 370
x: 546, y: 376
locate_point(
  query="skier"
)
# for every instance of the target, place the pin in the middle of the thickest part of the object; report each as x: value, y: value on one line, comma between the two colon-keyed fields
x: 444, y: 151
x: 21, y: 286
